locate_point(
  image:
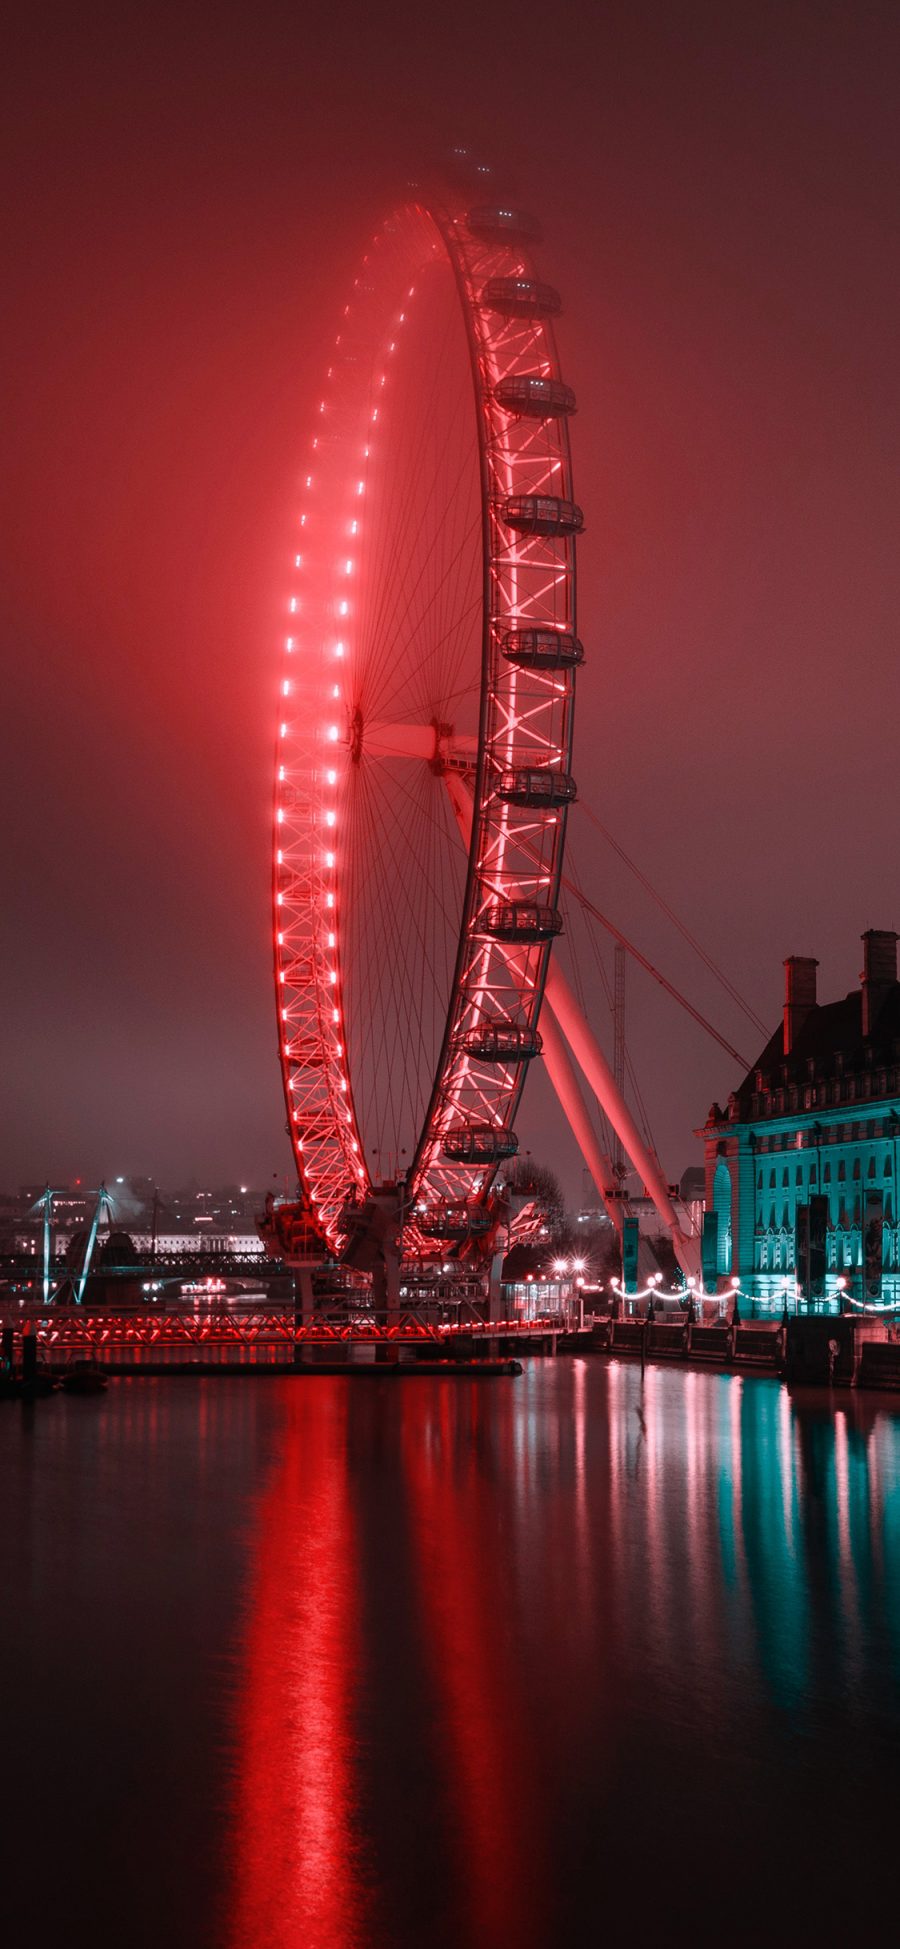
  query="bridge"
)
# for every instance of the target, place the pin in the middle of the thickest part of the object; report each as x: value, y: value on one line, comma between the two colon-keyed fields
x: 214, y: 1333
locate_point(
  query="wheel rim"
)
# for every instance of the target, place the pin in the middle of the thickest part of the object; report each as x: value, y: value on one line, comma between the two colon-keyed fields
x: 408, y: 711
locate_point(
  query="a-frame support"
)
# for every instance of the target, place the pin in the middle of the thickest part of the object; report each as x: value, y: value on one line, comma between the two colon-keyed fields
x: 566, y: 1020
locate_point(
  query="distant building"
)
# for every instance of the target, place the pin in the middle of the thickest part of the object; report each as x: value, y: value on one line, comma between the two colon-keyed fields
x: 242, y: 1245
x: 692, y: 1193
x: 801, y: 1165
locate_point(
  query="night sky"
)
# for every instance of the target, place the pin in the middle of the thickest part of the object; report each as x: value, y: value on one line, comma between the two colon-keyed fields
x: 187, y: 197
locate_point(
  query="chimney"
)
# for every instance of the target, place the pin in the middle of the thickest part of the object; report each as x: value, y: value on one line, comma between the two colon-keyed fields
x: 799, y: 996
x: 879, y: 972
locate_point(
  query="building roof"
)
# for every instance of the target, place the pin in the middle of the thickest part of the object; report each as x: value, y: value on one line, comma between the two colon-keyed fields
x: 831, y: 1029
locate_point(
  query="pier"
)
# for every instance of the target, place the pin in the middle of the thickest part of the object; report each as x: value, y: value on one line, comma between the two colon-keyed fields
x: 252, y: 1337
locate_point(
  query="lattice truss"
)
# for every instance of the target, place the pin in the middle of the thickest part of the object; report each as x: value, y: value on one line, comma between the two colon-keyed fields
x: 524, y: 728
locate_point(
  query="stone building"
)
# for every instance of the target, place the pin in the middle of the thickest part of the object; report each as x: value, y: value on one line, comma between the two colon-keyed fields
x: 801, y: 1165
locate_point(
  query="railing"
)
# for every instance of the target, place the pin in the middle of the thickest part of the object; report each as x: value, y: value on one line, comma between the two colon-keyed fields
x: 235, y: 1331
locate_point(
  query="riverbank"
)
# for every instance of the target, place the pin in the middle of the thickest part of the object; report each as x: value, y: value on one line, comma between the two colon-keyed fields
x: 837, y: 1351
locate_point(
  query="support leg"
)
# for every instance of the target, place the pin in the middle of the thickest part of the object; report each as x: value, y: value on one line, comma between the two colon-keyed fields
x: 561, y: 1071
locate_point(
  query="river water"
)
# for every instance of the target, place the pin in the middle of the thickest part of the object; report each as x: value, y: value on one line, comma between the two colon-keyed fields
x: 560, y: 1659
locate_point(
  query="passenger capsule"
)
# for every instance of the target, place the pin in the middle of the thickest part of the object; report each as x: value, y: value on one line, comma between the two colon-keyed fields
x: 542, y: 649
x: 522, y: 920
x: 454, y: 1220
x: 535, y: 398
x: 520, y: 297
x: 537, y: 787
x: 467, y: 172
x: 502, y: 1042
x: 498, y: 224
x: 479, y: 1143
x: 542, y: 514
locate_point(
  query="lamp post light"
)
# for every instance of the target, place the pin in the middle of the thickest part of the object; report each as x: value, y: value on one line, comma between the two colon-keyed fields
x: 574, y: 1268
x: 654, y: 1281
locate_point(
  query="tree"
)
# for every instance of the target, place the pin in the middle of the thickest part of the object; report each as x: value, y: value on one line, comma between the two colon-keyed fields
x: 524, y: 1178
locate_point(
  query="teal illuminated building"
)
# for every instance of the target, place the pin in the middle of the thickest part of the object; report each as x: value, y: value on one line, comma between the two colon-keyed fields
x: 801, y: 1165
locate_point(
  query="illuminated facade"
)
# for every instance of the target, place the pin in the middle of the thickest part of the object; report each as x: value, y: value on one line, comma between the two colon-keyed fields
x: 801, y: 1165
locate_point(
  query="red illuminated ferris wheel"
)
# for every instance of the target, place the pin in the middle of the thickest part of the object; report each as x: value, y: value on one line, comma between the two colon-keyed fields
x: 423, y: 766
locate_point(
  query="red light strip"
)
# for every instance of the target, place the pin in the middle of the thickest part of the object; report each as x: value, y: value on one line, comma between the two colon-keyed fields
x: 529, y: 582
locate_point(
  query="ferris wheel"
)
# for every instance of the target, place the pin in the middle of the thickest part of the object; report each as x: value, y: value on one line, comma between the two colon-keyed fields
x: 423, y: 766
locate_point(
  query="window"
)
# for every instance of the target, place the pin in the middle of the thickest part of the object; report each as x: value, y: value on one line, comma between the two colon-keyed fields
x: 722, y: 1207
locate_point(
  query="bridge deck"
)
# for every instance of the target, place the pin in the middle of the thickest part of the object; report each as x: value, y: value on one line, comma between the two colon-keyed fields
x: 239, y: 1332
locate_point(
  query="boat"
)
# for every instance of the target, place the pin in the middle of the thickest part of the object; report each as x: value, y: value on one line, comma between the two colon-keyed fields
x: 84, y: 1378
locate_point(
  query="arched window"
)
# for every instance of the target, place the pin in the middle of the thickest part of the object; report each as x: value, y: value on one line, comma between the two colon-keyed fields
x: 722, y: 1208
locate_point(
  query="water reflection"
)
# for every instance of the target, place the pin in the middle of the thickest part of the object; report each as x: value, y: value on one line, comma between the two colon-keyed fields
x: 298, y: 1860
x: 502, y: 1638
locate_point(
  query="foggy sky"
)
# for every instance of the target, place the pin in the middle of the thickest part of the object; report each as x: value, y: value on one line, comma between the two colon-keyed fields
x: 186, y: 201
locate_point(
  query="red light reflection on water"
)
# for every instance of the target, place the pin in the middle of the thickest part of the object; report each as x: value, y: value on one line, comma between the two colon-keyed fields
x: 468, y: 1626
x: 295, y: 1852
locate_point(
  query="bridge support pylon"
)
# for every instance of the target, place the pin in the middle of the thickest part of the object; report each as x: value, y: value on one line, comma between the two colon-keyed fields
x: 303, y: 1295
